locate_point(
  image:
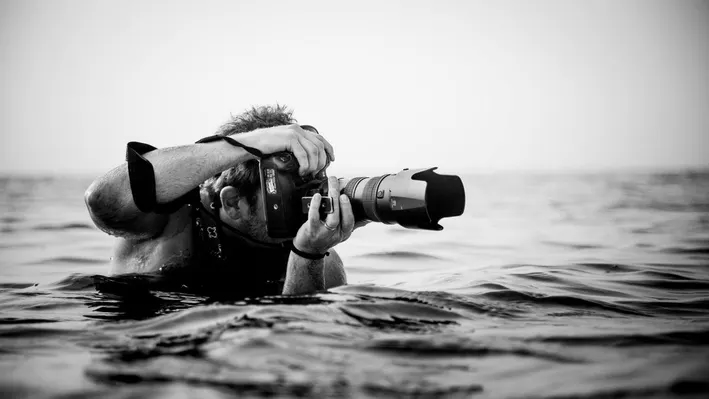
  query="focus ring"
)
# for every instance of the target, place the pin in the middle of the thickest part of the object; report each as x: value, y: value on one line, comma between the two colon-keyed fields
x: 369, y: 198
x: 351, y: 186
x: 349, y: 191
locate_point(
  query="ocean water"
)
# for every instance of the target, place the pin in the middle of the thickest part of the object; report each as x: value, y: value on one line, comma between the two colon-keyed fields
x: 549, y: 286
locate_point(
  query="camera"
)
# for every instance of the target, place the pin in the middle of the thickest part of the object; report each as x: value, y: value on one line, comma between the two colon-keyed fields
x: 412, y: 198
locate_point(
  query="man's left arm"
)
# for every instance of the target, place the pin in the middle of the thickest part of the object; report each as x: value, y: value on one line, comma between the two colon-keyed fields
x: 316, y: 237
x: 305, y: 276
x: 335, y: 275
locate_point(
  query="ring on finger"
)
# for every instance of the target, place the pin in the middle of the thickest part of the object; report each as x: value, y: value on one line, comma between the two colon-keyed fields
x: 327, y: 226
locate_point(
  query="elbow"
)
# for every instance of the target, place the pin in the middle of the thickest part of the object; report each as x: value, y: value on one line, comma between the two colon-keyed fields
x: 112, y: 213
x: 91, y: 197
x: 95, y: 204
x: 104, y: 208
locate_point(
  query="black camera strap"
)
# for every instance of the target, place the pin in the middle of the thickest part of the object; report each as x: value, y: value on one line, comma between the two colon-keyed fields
x: 141, y: 176
x: 251, y: 150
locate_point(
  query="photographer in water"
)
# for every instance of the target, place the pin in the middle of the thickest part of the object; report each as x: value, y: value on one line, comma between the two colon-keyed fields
x: 193, y: 214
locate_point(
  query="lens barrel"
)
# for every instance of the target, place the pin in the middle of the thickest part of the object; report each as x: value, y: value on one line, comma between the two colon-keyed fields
x: 417, y: 198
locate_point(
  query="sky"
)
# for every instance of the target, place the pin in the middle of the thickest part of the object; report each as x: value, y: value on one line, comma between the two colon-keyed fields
x: 463, y: 85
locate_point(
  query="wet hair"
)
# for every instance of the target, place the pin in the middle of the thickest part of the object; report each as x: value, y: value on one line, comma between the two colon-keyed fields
x: 244, y: 177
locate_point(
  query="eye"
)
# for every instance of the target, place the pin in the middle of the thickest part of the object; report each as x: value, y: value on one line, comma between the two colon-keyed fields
x: 285, y: 157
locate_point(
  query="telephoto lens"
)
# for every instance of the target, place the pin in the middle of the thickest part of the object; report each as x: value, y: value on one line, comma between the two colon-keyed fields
x: 416, y: 198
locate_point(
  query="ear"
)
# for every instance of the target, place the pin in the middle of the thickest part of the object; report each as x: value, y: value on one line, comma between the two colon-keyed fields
x: 231, y: 202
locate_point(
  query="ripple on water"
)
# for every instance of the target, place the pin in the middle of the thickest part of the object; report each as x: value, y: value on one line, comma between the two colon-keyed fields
x: 402, y: 255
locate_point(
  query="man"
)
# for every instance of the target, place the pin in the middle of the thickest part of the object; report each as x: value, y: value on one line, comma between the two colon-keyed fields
x: 176, y: 220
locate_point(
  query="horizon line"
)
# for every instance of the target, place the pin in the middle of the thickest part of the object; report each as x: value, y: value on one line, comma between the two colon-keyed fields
x: 698, y: 168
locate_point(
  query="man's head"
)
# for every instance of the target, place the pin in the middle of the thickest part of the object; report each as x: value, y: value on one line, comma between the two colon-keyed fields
x: 240, y: 185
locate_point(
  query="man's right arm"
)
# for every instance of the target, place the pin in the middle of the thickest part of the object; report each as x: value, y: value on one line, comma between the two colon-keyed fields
x: 180, y: 169
x: 177, y: 171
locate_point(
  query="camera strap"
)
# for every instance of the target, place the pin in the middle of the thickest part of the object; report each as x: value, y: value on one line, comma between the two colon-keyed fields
x: 251, y: 150
x: 142, y: 181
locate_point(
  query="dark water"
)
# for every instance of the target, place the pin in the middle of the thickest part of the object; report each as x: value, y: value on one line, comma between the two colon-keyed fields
x: 588, y: 286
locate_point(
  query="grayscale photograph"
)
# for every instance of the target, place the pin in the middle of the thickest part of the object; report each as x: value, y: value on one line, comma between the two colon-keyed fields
x: 354, y: 199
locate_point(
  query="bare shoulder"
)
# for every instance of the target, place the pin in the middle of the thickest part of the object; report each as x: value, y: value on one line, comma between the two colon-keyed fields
x: 172, y: 245
x: 335, y: 275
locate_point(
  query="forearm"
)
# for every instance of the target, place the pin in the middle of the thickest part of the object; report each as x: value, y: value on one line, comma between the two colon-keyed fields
x: 177, y: 170
x: 304, y: 276
x: 180, y: 169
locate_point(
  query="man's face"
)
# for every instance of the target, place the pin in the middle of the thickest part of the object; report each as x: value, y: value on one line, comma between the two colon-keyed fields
x: 255, y: 223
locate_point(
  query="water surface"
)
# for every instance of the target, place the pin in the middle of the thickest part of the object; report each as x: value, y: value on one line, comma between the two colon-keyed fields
x: 584, y: 286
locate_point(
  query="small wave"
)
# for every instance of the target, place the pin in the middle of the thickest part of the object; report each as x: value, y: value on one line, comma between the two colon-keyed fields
x: 574, y: 246
x: 558, y: 300
x: 22, y: 333
x: 16, y: 245
x: 372, y: 270
x: 671, y: 284
x: 74, y: 282
x: 697, y: 241
x: 570, y: 284
x: 397, y: 312
x: 250, y: 383
x: 663, y: 275
x: 463, y: 306
x: 18, y: 320
x: 696, y: 207
x: 11, y: 219
x: 645, y: 230
x: 69, y: 260
x: 541, y: 276
x: 688, y: 306
x: 489, y: 286
x: 691, y: 338
x: 401, y: 255
x: 16, y: 285
x: 606, y: 267
x: 419, y: 389
x: 687, y: 250
x: 157, y: 345
x: 61, y: 227
x: 403, y: 231
x: 183, y: 322
x: 459, y: 346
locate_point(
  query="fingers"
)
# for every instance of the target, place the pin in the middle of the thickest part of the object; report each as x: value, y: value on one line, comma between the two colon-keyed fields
x: 314, y: 211
x: 325, y: 150
x: 301, y: 155
x: 348, y: 220
x: 327, y: 146
x: 333, y: 219
x: 316, y: 156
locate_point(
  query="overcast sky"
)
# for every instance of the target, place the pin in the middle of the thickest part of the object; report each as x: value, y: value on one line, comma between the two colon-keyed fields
x: 464, y: 85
